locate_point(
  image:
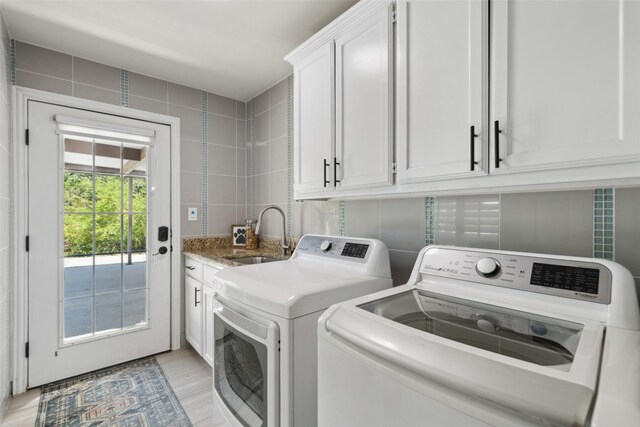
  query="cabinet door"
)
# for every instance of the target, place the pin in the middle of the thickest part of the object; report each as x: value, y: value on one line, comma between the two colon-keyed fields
x: 442, y: 74
x: 314, y: 121
x: 565, y: 86
x: 193, y: 313
x: 364, y: 83
x: 207, y: 324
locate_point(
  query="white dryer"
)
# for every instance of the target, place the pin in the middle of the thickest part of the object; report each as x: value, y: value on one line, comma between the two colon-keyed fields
x: 486, y: 338
x: 265, y: 323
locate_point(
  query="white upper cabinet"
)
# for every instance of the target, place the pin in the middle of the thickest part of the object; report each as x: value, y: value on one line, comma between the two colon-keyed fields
x: 441, y: 84
x: 490, y: 95
x: 343, y: 94
x: 314, y: 121
x: 565, y: 84
x: 364, y: 110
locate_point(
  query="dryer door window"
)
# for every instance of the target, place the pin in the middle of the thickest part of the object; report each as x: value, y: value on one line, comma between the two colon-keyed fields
x: 240, y: 373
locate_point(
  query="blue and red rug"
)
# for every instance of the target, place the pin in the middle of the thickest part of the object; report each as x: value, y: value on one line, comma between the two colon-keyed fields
x: 134, y: 394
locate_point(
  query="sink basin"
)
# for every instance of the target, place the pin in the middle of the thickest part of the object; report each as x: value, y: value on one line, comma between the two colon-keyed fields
x: 255, y: 259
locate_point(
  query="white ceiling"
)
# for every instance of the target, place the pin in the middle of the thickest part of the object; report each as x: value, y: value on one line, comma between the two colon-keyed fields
x: 233, y: 48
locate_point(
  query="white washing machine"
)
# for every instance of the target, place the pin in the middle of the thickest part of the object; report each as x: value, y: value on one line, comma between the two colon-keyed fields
x: 486, y: 338
x: 265, y: 323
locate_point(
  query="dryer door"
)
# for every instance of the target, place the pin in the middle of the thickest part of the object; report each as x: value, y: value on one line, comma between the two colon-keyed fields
x: 246, y: 361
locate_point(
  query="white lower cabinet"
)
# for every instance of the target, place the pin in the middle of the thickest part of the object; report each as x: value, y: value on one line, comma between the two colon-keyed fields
x: 198, y: 295
x: 207, y: 324
x: 193, y: 313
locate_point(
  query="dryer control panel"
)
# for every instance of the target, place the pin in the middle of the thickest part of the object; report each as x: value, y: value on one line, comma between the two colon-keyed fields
x: 569, y: 278
x: 347, y: 249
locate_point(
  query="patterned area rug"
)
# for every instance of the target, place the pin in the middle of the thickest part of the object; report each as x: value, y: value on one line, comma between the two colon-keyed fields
x: 134, y: 394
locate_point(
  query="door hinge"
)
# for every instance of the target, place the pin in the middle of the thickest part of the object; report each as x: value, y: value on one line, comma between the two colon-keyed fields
x: 26, y: 349
x: 394, y: 168
x: 26, y: 243
x: 11, y: 388
x: 26, y: 136
x: 393, y: 16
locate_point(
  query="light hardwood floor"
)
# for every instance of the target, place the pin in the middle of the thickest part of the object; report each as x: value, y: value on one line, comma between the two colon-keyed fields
x: 189, y: 375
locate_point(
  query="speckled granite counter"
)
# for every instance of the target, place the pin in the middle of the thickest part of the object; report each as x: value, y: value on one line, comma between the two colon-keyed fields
x: 218, y: 250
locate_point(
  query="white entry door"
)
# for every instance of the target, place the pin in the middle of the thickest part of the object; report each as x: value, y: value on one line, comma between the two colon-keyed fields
x: 99, y: 253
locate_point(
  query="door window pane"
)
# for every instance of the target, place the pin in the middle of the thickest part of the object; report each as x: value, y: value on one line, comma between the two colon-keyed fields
x: 78, y: 154
x: 78, y: 316
x: 78, y: 276
x: 135, y: 272
x: 108, y: 311
x: 108, y: 193
x: 137, y: 187
x: 135, y: 307
x: 78, y: 235
x: 78, y: 192
x: 108, y: 157
x: 105, y: 236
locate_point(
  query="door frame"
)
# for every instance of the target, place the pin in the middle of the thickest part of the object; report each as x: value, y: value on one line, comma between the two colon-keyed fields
x: 20, y: 98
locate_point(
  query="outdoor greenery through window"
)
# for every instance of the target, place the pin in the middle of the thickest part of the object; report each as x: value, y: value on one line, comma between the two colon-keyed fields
x: 105, y: 236
x: 78, y: 195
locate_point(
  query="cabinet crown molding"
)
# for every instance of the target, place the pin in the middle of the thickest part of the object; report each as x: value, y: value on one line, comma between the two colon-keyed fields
x: 358, y: 12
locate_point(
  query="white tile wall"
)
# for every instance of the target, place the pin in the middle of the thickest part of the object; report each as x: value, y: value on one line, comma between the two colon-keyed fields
x: 6, y: 275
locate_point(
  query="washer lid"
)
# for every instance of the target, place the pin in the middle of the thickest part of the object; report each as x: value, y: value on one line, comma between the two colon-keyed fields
x: 297, y: 287
x: 524, y: 336
x: 555, y: 384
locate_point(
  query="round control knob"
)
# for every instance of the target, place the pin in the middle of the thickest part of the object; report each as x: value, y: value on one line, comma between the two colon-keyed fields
x: 325, y: 246
x: 488, y: 267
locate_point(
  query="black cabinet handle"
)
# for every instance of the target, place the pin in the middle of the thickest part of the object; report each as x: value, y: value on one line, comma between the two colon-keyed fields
x: 472, y: 140
x: 497, y: 132
x: 195, y: 297
x: 326, y: 164
x: 335, y: 171
x: 190, y: 267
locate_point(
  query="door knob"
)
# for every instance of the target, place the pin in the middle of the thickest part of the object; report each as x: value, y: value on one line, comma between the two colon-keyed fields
x: 161, y: 251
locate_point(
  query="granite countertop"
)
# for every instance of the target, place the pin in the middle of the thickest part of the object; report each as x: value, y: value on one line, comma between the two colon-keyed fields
x: 218, y: 250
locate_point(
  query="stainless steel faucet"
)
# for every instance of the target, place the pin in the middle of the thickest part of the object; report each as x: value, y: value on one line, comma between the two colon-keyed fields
x: 286, y: 246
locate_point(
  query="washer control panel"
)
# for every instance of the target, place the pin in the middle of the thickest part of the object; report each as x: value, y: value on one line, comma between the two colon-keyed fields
x: 587, y: 281
x: 347, y: 249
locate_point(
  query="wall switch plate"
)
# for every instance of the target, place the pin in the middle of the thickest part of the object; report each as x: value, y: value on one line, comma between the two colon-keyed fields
x: 193, y: 214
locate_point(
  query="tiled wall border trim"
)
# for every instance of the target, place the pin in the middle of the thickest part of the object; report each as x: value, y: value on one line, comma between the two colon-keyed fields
x: 289, y: 154
x: 12, y: 60
x: 124, y: 88
x: 252, y: 161
x: 604, y: 223
x: 204, y: 96
x: 429, y: 223
x: 341, y: 213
